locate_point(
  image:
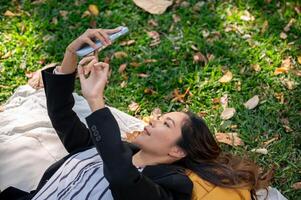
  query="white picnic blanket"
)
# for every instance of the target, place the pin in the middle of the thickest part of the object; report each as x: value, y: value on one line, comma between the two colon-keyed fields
x: 29, y: 144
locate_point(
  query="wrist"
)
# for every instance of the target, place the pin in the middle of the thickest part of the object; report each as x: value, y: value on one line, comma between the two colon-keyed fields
x: 96, y: 104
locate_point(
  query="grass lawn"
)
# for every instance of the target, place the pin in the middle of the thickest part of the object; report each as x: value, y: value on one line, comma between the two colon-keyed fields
x: 243, y: 37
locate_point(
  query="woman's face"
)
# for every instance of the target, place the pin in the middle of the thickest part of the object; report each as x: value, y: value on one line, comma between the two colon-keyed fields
x: 161, y: 135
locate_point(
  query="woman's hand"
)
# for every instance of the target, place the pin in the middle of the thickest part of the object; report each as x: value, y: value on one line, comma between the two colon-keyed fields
x: 94, y: 84
x: 70, y: 59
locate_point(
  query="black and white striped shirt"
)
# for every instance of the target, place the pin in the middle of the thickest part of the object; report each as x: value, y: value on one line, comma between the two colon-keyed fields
x: 80, y: 177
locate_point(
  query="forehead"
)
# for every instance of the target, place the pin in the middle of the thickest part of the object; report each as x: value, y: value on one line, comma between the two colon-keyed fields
x: 177, y: 117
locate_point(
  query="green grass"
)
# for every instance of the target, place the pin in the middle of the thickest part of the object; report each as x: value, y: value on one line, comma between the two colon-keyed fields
x: 34, y: 41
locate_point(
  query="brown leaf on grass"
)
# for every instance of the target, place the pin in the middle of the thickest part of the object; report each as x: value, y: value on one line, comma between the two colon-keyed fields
x: 283, y: 35
x: 224, y: 101
x: 216, y: 100
x: 287, y: 28
x: 127, y: 42
x: 280, y: 97
x: 284, y: 68
x: 93, y: 9
x: 120, y: 54
x: 263, y: 151
x: 298, y: 9
x: 7, y: 55
x: 265, y: 26
x: 149, y: 91
x: 153, y: 6
x: 152, y: 22
x: 227, y: 77
x: 64, y: 14
x: 199, y: 57
x: 275, y: 138
x: 252, y: 103
x: 256, y: 67
x: 155, y: 38
x: 143, y: 75
x: 134, y: 106
x: 228, y: 113
x: 123, y: 84
x: 130, y: 137
x: 210, y: 56
x: 177, y: 96
x: 86, y: 14
x: 231, y: 139
x: 135, y: 64
x: 299, y: 59
x: 122, y: 68
x: 193, y: 47
x: 150, y: 61
x: 156, y: 113
x: 296, y: 186
x: 176, y: 18
x: 289, y: 84
x: 197, y: 7
x: 202, y: 113
x: 247, y: 16
x: 9, y: 13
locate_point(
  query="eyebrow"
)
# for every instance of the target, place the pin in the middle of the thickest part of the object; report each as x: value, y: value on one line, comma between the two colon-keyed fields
x: 171, y: 120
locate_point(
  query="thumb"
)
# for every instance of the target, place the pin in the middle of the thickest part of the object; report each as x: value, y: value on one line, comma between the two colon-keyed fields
x: 80, y: 72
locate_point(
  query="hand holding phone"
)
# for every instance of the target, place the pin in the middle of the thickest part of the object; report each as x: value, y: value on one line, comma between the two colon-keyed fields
x: 87, y: 49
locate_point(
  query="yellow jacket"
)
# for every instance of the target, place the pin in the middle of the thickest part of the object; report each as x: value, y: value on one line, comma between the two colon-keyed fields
x: 203, y: 190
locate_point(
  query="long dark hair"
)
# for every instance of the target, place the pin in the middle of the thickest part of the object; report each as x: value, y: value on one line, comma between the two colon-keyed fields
x: 205, y: 158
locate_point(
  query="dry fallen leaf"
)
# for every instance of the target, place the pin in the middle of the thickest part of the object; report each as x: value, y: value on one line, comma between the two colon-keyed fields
x: 9, y: 13
x: 143, y: 75
x: 122, y: 68
x: 93, y: 9
x: 149, y: 91
x: 86, y: 14
x: 252, y: 103
x: 193, y: 47
x: 279, y: 96
x: 275, y: 138
x: 229, y: 138
x: 299, y: 59
x: 130, y: 137
x: 247, y: 16
x: 284, y: 68
x: 134, y: 106
x: 256, y: 67
x: 153, y: 6
x: 156, y: 113
x: 265, y: 27
x: 64, y: 14
x: 176, y: 18
x: 288, y: 26
x: 178, y: 96
x: 283, y: 35
x: 227, y: 113
x: 296, y: 186
x: 135, y: 64
x: 127, y: 42
x: 260, y: 150
x: 199, y: 57
x: 227, y: 77
x: 120, y: 54
x: 224, y: 101
x: 123, y: 84
x: 152, y: 22
x: 155, y: 38
x: 7, y: 55
x: 150, y: 61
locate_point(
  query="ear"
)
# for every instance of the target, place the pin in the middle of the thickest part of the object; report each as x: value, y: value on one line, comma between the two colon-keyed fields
x: 177, y: 152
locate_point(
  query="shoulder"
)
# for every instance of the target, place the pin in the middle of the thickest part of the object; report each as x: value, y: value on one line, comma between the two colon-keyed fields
x: 169, y: 176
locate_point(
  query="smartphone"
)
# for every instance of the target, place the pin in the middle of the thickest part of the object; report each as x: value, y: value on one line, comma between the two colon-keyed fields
x: 87, y: 49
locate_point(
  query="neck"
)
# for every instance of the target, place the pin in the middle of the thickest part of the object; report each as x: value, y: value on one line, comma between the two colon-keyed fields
x: 142, y: 159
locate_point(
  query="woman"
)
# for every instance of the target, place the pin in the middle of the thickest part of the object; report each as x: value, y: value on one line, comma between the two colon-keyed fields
x: 159, y: 163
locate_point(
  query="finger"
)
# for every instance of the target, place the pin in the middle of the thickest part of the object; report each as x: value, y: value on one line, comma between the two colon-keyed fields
x: 80, y: 73
x: 89, y: 66
x: 111, y: 31
x: 87, y: 59
x: 103, y: 36
x: 90, y: 42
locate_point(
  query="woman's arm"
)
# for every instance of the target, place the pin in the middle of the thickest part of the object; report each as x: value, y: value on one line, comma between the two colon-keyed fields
x: 58, y: 88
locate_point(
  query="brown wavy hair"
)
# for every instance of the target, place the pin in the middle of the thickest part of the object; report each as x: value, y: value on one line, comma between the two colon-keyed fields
x: 205, y: 158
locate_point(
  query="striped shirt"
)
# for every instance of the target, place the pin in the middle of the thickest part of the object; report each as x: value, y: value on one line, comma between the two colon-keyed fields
x: 80, y: 177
